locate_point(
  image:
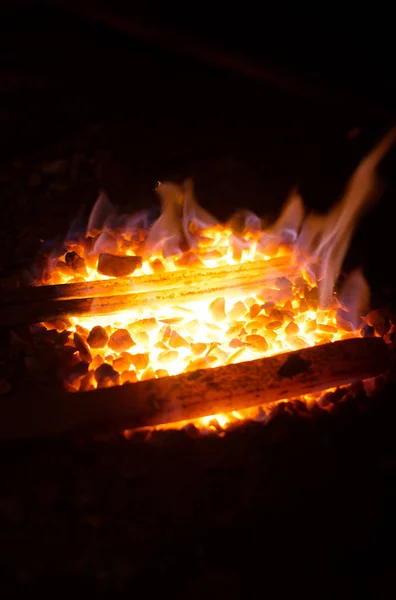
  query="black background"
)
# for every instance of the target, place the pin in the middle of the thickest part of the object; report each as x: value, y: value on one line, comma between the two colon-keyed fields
x: 170, y: 107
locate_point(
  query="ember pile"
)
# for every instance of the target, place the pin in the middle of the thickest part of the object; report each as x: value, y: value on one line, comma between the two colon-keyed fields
x: 130, y: 301
x: 261, y: 312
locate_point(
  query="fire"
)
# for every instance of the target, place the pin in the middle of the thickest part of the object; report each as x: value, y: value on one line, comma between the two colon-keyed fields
x: 244, y: 292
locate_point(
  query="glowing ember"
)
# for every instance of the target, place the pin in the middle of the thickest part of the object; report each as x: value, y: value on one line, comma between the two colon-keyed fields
x: 282, y: 301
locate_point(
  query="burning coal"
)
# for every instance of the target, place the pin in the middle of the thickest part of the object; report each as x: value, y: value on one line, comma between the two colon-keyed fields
x: 209, y: 294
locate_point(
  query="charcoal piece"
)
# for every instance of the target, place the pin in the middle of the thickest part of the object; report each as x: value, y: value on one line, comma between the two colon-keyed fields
x: 83, y: 331
x: 120, y: 340
x: 58, y: 324
x: 258, y: 342
x: 74, y: 261
x: 177, y: 341
x: 236, y: 343
x: 217, y: 309
x: 122, y: 363
x: 97, y: 337
x: 105, y: 375
x: 62, y: 339
x: 118, y: 266
x: 76, y: 372
x: 292, y: 328
x: 140, y: 361
x: 157, y: 266
x: 390, y: 338
x: 87, y: 383
x: 367, y: 331
x: 276, y: 315
x: 255, y: 309
x: 82, y: 348
x: 128, y: 377
x: 379, y: 320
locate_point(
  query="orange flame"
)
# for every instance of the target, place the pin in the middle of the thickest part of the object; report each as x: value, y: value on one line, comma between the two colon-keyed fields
x: 295, y: 308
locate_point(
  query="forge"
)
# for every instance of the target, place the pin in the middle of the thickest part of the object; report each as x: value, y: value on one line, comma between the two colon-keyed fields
x: 192, y: 400
x: 187, y: 321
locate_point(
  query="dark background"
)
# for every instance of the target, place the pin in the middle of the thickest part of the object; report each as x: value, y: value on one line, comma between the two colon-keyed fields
x: 249, y: 102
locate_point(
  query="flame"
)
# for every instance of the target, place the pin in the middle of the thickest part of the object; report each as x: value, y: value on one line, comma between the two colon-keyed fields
x: 328, y: 238
x: 295, y: 307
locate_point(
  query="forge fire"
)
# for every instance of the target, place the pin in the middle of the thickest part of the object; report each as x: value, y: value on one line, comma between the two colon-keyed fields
x: 187, y: 292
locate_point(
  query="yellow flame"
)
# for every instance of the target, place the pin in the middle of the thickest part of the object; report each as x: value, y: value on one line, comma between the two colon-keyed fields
x: 291, y: 312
